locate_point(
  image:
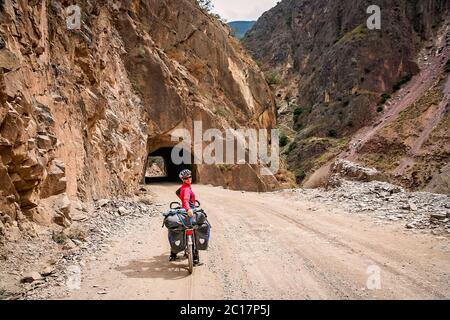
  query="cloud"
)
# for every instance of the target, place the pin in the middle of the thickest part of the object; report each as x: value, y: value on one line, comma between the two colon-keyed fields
x: 233, y: 10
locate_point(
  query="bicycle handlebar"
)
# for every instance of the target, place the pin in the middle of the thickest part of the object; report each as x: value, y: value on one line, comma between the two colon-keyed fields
x: 178, y: 205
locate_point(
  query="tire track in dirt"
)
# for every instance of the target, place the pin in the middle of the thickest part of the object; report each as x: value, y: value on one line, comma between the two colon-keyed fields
x: 364, y: 252
x: 267, y: 246
x: 370, y: 251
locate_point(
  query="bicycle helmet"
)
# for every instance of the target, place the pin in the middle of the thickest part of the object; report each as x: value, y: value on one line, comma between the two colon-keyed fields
x: 185, y: 174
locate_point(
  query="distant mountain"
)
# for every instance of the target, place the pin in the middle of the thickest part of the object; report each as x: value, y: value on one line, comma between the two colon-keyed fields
x: 241, y: 27
x: 333, y: 76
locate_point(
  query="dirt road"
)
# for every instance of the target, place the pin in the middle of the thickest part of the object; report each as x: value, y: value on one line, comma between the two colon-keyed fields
x: 268, y: 246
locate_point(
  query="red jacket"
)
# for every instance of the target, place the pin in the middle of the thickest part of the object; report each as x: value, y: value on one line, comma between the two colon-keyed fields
x: 187, y: 196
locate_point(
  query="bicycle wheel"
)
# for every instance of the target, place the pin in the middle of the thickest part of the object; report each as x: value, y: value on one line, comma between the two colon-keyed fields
x: 190, y: 258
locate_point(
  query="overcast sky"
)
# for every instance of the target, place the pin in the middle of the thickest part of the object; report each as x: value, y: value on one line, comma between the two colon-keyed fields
x: 233, y: 10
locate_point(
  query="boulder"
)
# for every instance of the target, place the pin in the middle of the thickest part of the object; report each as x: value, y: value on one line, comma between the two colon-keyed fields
x: 63, y: 205
x: 44, y: 142
x: 58, y: 208
x: 39, y: 51
x: 47, y: 271
x: 12, y: 125
x: 353, y: 171
x: 102, y: 202
x: 8, y: 61
x: 61, y: 220
x: 123, y: 211
x: 438, y: 216
x: 31, y: 277
x: 56, y: 181
x: 29, y: 199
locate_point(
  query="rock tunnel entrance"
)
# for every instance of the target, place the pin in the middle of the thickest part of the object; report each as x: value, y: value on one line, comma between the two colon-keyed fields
x: 161, y: 168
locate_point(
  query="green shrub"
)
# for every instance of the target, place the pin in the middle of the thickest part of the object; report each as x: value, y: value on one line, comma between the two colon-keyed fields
x: 272, y: 77
x: 292, y: 146
x: 405, y: 79
x: 380, y: 109
x: 221, y: 112
x: 297, y: 113
x: 332, y: 133
x: 59, y: 238
x: 300, y: 176
x: 289, y: 21
x: 284, y: 140
x: 384, y: 97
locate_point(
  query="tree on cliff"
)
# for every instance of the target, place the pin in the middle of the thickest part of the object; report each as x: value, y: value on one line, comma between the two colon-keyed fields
x: 206, y: 5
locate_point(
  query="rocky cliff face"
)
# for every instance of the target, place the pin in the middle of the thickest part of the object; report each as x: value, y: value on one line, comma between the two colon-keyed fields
x: 333, y: 76
x: 80, y: 109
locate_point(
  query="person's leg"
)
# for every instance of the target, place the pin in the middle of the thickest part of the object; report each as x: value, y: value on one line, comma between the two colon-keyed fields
x: 196, y: 257
x: 173, y: 256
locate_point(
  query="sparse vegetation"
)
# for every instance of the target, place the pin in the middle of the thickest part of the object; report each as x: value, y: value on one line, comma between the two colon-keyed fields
x: 221, y: 112
x: 198, y: 68
x: 284, y: 140
x: 298, y: 111
x: 359, y: 32
x: 384, y: 97
x: 403, y: 80
x: 300, y: 176
x: 272, y: 77
x: 332, y: 133
x: 292, y: 146
x: 59, y: 238
x: 77, y: 234
x: 225, y: 167
x: 207, y: 6
x: 289, y: 21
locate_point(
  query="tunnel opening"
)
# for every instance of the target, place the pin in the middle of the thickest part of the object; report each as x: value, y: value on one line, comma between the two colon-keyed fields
x: 161, y: 168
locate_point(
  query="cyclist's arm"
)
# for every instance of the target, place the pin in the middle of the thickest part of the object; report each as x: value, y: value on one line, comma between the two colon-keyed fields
x: 185, y: 197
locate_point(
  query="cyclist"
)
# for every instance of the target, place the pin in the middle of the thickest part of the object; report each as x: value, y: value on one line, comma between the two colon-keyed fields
x: 187, y: 198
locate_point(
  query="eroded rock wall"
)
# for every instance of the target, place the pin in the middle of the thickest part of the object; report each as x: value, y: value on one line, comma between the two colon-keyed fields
x: 80, y: 109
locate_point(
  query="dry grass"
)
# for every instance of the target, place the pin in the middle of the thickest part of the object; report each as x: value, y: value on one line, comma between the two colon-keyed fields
x: 409, y: 119
x: 197, y: 68
x: 219, y: 111
x: 76, y: 233
x: 225, y: 167
x: 59, y: 238
x: 359, y: 32
x: 176, y: 55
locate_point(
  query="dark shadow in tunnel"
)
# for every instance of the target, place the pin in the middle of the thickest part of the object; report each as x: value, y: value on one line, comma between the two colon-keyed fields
x: 172, y: 170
